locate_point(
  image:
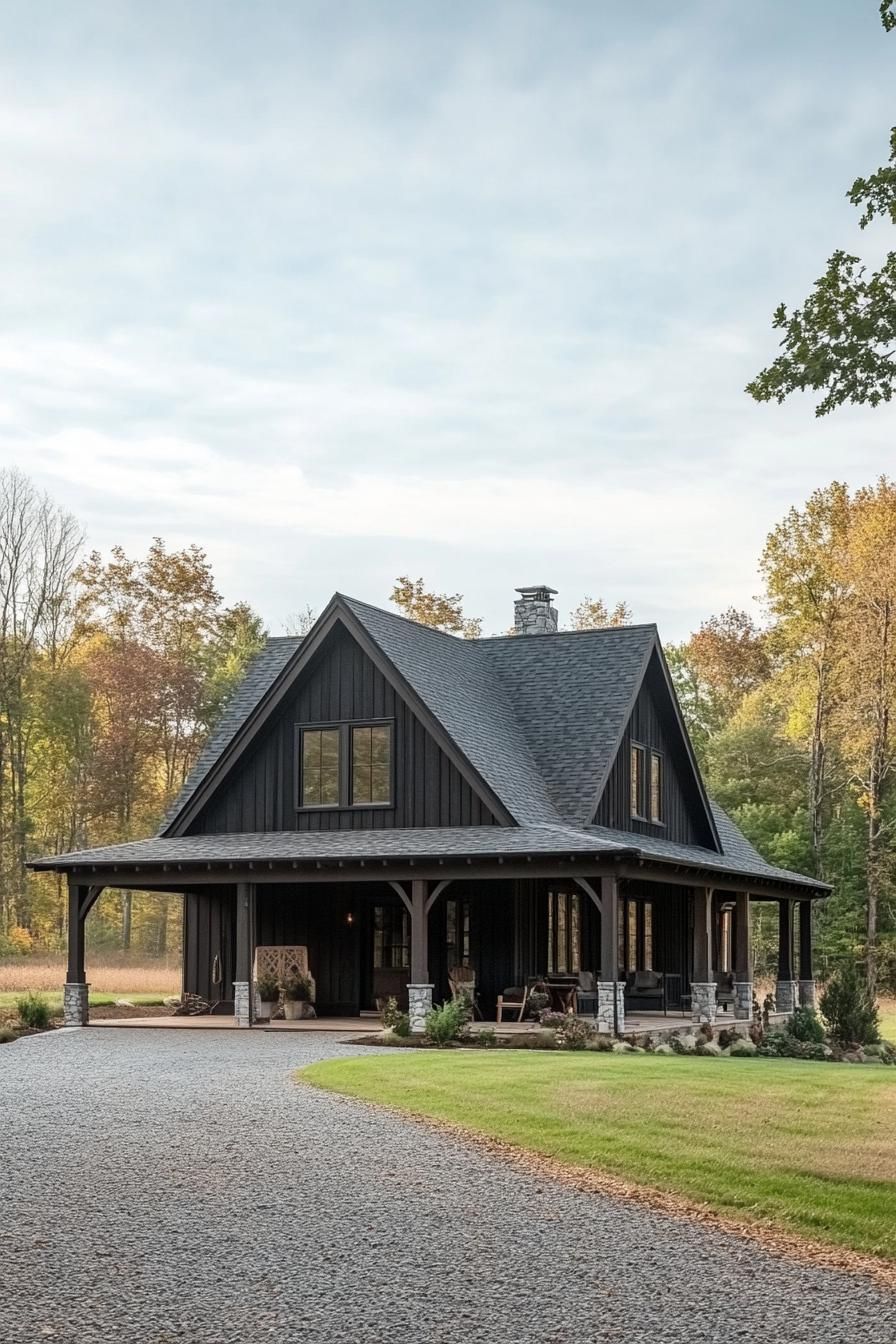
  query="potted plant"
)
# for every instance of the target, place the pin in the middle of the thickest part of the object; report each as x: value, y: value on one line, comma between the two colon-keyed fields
x: 539, y: 999
x: 297, y: 995
x: 267, y: 991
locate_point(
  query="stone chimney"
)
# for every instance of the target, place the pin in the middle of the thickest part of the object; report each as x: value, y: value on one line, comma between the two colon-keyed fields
x: 532, y: 611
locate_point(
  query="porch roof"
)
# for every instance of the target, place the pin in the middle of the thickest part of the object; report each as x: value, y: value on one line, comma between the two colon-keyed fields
x: 439, y: 843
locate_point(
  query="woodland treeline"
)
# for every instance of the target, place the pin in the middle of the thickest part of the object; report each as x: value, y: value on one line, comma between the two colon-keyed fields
x: 113, y: 670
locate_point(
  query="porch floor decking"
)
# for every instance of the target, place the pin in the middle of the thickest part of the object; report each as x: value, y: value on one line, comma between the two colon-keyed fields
x: 635, y: 1024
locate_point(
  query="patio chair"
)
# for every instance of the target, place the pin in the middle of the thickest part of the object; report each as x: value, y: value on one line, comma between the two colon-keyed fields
x: 725, y: 990
x: 514, y: 998
x: 586, y: 995
x: 462, y: 982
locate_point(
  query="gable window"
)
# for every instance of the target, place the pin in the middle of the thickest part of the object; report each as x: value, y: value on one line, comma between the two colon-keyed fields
x: 345, y: 765
x: 656, y: 787
x: 371, y: 764
x: 320, y: 767
x: 637, y: 781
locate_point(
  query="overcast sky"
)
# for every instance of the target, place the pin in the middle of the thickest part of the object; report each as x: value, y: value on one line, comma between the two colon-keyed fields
x: 469, y: 290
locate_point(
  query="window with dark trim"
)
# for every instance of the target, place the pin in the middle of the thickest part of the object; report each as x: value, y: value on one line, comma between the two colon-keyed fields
x: 636, y: 935
x: 391, y: 938
x: 457, y: 933
x: 371, y: 764
x: 344, y: 765
x: 320, y: 767
x: 656, y: 787
x: 637, y: 780
x: 564, y: 933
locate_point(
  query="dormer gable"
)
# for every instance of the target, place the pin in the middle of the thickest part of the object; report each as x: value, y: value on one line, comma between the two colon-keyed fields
x: 654, y: 787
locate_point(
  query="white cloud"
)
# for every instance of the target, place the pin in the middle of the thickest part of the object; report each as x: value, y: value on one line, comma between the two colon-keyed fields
x: 471, y: 293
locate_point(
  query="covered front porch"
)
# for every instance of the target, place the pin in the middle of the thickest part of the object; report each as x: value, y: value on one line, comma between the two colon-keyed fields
x: 633, y: 949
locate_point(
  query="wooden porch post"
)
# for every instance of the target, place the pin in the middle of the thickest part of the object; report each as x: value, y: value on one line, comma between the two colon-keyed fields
x: 242, y: 977
x: 786, y: 990
x: 807, y: 990
x: 703, y: 986
x: 420, y: 987
x: 76, y: 973
x: 743, y: 957
x: 785, y: 940
x: 81, y: 900
x: 610, y: 991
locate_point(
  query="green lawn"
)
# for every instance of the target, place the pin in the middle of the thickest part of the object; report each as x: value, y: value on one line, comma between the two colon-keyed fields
x: 807, y: 1147
x: 8, y: 999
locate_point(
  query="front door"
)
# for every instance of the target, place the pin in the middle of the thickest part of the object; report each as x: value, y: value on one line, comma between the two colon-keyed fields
x: 389, y: 955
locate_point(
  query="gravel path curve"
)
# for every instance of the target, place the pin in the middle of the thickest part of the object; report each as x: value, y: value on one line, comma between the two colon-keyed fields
x: 160, y: 1187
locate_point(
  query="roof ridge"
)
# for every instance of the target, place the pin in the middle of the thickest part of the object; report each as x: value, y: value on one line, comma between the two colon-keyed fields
x: 408, y: 620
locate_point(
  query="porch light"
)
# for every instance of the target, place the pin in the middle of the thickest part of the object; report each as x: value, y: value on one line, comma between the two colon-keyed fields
x: 349, y: 919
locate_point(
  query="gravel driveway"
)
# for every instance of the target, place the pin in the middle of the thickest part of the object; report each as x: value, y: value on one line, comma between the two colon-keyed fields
x: 165, y: 1186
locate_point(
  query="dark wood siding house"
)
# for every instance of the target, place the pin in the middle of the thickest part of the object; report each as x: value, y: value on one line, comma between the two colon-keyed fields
x: 400, y: 802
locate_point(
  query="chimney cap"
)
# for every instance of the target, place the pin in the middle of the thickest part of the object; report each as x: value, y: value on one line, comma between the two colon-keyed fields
x: 537, y: 590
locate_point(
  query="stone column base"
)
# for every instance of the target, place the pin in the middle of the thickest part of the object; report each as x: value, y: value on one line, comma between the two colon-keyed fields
x: 75, y: 1012
x: 605, y: 993
x: 787, y: 995
x: 703, y: 1001
x: 743, y: 1000
x: 808, y: 994
x: 419, y: 1004
x: 241, y: 1003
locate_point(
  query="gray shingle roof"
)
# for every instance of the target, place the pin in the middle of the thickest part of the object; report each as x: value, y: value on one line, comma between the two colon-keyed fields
x: 538, y: 718
x: 457, y: 681
x: 573, y: 692
x: 421, y: 843
x: 262, y: 672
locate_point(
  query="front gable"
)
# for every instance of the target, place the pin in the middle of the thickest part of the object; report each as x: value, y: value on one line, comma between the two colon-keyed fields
x: 655, y: 725
x: 340, y: 683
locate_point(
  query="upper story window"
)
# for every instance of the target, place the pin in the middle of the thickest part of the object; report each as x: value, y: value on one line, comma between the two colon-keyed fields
x: 637, y: 781
x: 345, y: 765
x: 656, y: 787
x: 320, y: 767
x: 371, y: 763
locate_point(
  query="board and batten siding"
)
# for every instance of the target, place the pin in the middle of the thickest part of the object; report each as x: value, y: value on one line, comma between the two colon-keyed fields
x: 653, y: 725
x: 342, y: 685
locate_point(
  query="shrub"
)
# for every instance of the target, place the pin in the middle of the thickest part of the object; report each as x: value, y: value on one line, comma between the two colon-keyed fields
x: 447, y: 1022
x: 487, y: 1037
x: 601, y: 1041
x: 573, y: 1033
x: 538, y: 1002
x: 742, y: 1048
x: 848, y: 1007
x: 806, y: 1025
x: 267, y: 987
x: 7, y: 1035
x: 783, y: 1045
x: 297, y: 989
x: 33, y: 1010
